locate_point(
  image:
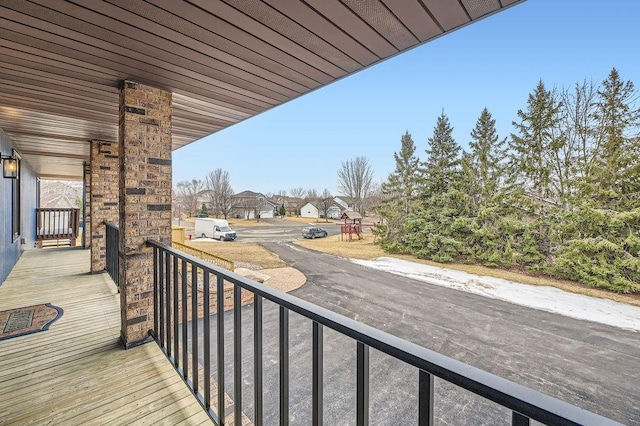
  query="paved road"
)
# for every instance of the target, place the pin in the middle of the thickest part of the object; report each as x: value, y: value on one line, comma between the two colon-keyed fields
x: 279, y: 230
x: 274, y: 230
x: 593, y: 366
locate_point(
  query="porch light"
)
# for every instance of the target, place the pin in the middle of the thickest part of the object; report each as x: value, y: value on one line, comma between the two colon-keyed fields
x: 9, y: 167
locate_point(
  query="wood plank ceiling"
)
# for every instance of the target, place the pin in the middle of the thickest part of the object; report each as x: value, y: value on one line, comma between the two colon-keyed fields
x: 223, y: 60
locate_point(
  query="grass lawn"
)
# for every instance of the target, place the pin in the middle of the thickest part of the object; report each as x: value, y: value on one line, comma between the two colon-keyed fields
x: 240, y: 252
x: 365, y: 249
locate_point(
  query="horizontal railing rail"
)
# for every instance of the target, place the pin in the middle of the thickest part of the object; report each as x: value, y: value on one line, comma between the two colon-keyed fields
x: 175, y: 272
x: 112, y: 258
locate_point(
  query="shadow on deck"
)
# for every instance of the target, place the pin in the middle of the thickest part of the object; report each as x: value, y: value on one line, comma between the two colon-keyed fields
x: 77, y: 372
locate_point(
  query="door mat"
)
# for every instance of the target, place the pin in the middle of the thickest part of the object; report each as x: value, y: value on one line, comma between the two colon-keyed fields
x: 30, y: 319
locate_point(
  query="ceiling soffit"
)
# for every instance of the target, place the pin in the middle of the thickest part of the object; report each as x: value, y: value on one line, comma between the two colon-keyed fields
x: 224, y: 61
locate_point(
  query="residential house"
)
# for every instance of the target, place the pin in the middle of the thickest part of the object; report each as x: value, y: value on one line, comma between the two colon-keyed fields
x: 314, y: 210
x: 345, y: 202
x: 250, y: 205
x: 114, y: 89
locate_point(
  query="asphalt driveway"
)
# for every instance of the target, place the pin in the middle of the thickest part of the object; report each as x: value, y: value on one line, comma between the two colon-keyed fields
x: 590, y: 365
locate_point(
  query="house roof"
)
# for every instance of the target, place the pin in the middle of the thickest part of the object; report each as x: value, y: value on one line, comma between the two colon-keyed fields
x: 247, y: 194
x: 351, y: 215
x: 63, y: 62
x: 346, y: 199
x: 318, y: 206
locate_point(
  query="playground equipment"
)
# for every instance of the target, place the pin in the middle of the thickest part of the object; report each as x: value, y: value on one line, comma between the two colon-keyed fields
x: 347, y: 230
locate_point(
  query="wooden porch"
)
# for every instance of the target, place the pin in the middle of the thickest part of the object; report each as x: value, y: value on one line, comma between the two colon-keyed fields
x: 77, y: 372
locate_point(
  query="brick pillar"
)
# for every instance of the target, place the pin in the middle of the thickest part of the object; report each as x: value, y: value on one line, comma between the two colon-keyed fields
x: 145, y: 201
x: 104, y: 198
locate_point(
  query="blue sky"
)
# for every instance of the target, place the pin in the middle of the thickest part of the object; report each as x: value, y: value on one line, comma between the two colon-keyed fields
x: 494, y: 63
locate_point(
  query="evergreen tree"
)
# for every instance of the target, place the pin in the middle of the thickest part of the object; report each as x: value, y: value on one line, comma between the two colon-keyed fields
x: 615, y: 179
x: 442, y: 166
x: 531, y: 146
x: 483, y: 163
x: 398, y: 192
x: 438, y: 227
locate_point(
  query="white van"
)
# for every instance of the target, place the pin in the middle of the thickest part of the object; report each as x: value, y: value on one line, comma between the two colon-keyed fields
x: 217, y: 229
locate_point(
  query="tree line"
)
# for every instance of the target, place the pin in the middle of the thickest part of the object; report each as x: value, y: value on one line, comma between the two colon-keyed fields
x: 214, y: 194
x: 559, y: 196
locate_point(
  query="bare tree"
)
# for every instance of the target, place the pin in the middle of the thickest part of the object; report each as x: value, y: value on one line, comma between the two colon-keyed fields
x: 573, y: 161
x: 188, y: 194
x: 297, y: 192
x: 311, y: 195
x: 324, y: 202
x: 354, y: 180
x: 374, y: 198
x: 219, y: 192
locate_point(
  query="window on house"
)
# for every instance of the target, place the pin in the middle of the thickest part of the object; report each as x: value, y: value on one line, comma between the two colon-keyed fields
x: 15, y: 204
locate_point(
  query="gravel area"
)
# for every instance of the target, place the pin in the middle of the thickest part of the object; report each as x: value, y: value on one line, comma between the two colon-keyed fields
x: 247, y: 265
x: 283, y: 279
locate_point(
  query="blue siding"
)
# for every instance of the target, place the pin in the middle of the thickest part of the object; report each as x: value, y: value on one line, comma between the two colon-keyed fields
x: 10, y: 250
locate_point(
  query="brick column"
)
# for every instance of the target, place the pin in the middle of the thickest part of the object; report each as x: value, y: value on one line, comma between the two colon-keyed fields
x: 103, y: 203
x: 145, y: 201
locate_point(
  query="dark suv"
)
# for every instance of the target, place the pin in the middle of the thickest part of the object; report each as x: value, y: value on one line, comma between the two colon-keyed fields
x: 313, y: 232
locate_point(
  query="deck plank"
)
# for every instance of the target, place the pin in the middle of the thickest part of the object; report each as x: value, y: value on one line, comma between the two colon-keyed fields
x: 77, y: 372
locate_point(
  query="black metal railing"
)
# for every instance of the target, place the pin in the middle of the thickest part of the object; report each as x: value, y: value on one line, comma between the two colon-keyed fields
x: 112, y: 259
x: 186, y: 340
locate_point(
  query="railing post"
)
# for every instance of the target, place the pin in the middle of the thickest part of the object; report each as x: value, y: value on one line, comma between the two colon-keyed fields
x: 207, y: 339
x: 317, y: 356
x: 425, y: 399
x: 362, y: 384
x: 176, y: 317
x: 156, y: 282
x: 185, y: 323
x: 220, y: 345
x: 167, y: 299
x: 284, y: 366
x: 161, y: 291
x: 237, y: 355
x: 194, y: 326
x: 518, y: 419
x: 257, y: 362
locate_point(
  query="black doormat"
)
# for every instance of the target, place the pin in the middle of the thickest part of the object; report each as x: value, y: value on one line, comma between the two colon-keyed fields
x: 27, y: 320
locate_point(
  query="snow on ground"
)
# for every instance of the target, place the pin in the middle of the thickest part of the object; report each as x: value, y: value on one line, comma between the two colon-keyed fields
x: 544, y: 298
x: 204, y: 240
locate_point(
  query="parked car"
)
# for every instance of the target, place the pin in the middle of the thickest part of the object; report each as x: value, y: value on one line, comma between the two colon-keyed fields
x: 313, y: 232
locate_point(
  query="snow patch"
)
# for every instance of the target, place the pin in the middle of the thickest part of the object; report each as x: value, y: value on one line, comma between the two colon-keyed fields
x: 549, y: 299
x: 204, y: 240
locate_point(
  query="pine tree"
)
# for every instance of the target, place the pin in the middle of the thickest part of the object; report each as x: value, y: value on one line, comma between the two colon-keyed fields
x: 438, y: 228
x: 483, y: 163
x: 401, y: 184
x: 615, y: 179
x: 398, y: 192
x: 442, y: 166
x: 531, y: 146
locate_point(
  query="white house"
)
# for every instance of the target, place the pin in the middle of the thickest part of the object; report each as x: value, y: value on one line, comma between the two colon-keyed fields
x: 315, y: 211
x: 248, y: 204
x: 346, y: 203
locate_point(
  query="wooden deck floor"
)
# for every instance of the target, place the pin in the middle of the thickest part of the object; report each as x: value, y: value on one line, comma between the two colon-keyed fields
x: 77, y: 372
